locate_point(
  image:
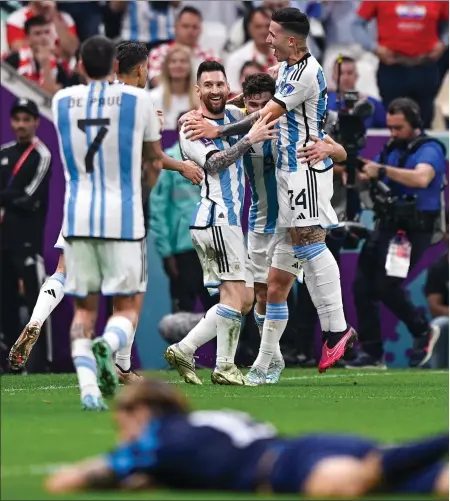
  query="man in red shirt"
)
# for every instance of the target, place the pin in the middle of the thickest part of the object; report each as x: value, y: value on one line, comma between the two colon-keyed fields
x: 64, y: 35
x: 188, y: 28
x: 412, y: 37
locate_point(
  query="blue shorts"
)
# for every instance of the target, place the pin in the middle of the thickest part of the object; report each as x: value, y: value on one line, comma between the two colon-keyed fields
x: 299, y: 457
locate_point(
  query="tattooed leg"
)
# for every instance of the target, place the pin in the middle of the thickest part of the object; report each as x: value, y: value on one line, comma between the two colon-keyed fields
x: 307, y: 236
x: 81, y: 334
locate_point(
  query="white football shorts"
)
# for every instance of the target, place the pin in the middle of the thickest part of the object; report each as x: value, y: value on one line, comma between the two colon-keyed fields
x: 223, y: 255
x: 304, y: 198
x: 114, y: 268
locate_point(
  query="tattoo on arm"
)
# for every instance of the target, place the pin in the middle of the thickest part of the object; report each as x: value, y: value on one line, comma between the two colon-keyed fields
x: 238, y: 128
x: 223, y: 159
x: 309, y: 235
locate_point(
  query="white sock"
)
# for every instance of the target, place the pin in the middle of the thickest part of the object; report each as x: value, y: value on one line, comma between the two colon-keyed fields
x: 228, y: 321
x: 277, y: 315
x: 259, y: 319
x: 86, y: 367
x: 50, y: 295
x: 311, y: 285
x: 203, y: 332
x: 123, y: 355
x: 118, y: 331
x: 328, y: 290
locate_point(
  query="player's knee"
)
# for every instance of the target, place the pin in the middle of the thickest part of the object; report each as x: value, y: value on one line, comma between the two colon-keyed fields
x: 248, y: 300
x: 343, y: 477
x: 232, y: 293
x: 278, y: 288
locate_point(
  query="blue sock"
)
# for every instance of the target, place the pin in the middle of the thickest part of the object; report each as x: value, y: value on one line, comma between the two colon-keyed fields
x: 307, y: 252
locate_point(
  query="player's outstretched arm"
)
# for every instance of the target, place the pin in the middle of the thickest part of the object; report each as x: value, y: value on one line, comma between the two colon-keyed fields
x: 262, y: 130
x: 93, y: 474
x: 90, y: 474
x: 198, y: 128
x: 186, y: 168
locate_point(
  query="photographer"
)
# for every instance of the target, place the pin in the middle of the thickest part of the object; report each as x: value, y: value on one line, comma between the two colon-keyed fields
x: 407, y: 208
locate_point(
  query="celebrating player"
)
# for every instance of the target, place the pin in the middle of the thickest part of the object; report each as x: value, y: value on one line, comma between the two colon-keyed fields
x: 104, y: 132
x: 259, y: 162
x: 216, y: 230
x: 304, y: 190
x: 131, y: 69
x: 162, y: 444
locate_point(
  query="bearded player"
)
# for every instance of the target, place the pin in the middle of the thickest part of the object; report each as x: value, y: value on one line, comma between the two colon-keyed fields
x: 304, y: 191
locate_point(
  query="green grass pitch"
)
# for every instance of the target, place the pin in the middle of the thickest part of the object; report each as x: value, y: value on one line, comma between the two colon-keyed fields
x: 42, y: 424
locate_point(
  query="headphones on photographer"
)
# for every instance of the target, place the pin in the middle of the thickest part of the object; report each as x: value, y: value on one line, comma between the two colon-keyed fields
x: 409, y: 108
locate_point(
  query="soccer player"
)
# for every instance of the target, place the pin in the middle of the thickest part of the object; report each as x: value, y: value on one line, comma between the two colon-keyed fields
x: 216, y: 230
x: 304, y: 190
x: 163, y: 444
x: 259, y: 162
x: 105, y: 132
x: 131, y: 69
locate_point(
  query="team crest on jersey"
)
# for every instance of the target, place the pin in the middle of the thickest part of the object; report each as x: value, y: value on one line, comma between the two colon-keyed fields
x: 206, y: 141
x: 287, y: 89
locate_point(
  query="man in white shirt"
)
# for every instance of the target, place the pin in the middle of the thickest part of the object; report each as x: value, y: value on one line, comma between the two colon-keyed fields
x: 256, y: 49
x: 188, y: 28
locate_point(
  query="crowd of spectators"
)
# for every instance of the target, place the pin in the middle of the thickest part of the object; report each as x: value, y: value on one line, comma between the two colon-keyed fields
x: 388, y: 47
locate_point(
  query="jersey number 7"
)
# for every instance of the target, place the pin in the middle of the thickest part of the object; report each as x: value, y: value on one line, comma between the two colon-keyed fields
x: 97, y: 142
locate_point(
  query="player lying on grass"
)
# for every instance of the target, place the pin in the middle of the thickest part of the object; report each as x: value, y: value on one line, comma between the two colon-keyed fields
x: 162, y: 443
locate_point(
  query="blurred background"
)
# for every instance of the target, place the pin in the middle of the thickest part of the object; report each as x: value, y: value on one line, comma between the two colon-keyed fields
x: 390, y: 49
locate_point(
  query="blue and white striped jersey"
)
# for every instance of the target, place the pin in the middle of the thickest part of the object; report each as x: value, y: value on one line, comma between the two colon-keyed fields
x: 222, y: 194
x: 142, y: 22
x: 101, y: 129
x: 302, y: 90
x: 259, y: 165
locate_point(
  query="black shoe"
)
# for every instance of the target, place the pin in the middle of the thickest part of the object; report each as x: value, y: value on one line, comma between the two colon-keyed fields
x: 423, y: 347
x: 366, y: 361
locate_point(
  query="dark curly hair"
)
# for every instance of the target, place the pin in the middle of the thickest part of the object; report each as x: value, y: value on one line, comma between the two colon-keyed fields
x: 258, y: 83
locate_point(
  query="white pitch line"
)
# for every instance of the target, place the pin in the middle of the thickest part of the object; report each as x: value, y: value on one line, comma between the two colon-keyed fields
x: 32, y: 469
x: 347, y: 374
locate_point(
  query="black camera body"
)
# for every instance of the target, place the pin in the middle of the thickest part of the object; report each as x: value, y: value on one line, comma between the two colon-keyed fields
x: 393, y: 212
x: 349, y: 129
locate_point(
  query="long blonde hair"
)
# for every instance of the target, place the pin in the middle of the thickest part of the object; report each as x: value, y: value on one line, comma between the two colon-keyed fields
x: 165, y: 78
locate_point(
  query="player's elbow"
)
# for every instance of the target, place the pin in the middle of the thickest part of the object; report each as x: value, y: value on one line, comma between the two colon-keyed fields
x: 422, y: 181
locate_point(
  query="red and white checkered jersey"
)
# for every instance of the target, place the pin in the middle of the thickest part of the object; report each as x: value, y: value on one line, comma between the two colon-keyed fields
x: 16, y: 22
